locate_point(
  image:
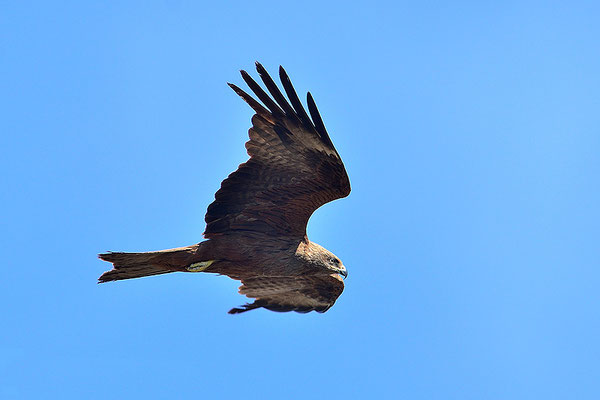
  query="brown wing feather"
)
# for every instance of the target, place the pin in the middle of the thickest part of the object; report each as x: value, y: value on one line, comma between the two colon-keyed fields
x: 293, y: 168
x: 300, y: 293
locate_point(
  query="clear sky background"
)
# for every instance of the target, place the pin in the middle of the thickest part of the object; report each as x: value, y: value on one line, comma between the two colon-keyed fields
x: 471, y: 134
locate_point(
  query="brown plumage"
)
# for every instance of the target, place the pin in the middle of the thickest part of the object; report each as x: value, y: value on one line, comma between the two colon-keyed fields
x: 256, y: 227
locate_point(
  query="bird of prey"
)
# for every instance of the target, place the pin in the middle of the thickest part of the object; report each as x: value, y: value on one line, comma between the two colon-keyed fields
x: 256, y: 227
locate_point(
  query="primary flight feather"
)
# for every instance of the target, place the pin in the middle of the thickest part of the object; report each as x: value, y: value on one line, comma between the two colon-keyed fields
x: 256, y: 227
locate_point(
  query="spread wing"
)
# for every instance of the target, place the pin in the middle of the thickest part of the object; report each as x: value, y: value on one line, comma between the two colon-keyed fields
x: 300, y: 293
x: 293, y: 167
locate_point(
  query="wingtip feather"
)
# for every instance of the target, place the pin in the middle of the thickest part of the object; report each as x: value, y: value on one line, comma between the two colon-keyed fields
x: 293, y: 97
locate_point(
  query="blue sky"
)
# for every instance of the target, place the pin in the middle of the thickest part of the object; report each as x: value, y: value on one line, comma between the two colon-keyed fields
x: 471, y: 134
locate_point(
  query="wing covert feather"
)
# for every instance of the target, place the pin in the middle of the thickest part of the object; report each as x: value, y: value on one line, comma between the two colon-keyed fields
x: 300, y: 293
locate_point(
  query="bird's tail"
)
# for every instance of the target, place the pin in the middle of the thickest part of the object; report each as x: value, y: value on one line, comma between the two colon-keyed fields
x: 136, y: 265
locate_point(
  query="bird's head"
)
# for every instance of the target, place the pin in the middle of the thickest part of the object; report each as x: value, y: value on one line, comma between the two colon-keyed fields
x: 322, y: 258
x: 334, y: 264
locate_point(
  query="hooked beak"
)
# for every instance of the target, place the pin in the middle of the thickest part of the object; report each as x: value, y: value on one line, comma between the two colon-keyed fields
x: 343, y: 272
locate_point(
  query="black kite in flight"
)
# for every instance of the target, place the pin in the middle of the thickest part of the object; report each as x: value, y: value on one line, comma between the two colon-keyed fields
x: 256, y: 227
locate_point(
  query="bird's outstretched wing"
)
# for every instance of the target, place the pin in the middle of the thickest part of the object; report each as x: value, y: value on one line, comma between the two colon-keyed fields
x: 293, y: 167
x: 292, y: 293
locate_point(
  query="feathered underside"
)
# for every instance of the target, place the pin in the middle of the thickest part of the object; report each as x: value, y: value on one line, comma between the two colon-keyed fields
x: 291, y: 293
x: 293, y: 167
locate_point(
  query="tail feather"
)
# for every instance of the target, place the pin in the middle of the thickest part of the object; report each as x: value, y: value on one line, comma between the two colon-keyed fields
x: 136, y: 265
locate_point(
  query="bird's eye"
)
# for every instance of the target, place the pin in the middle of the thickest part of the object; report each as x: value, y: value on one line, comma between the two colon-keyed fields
x: 333, y: 261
